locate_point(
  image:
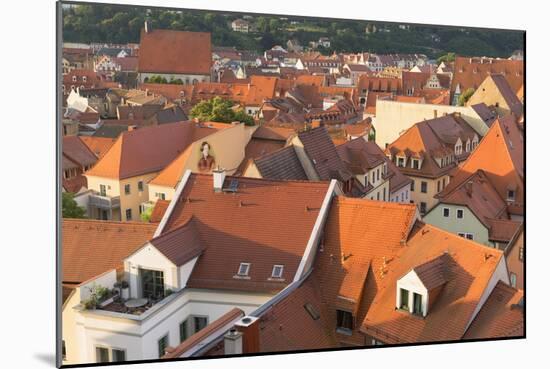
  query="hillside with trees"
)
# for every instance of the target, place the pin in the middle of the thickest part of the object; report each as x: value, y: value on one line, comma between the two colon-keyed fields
x: 122, y: 24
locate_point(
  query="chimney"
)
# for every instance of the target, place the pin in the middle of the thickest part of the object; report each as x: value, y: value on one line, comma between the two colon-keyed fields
x: 148, y: 26
x: 249, y: 326
x: 218, y: 177
x: 435, y: 113
x: 131, y: 128
x: 233, y: 342
x: 469, y: 188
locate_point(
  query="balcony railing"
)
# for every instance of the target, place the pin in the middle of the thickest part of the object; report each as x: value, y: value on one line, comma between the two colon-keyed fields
x: 104, y: 202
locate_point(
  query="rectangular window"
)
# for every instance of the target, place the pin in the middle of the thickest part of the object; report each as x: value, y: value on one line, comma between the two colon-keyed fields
x: 378, y: 174
x: 101, y: 355
x: 412, y: 185
x: 446, y: 212
x: 102, y: 190
x: 438, y: 186
x: 404, y: 299
x: 511, y: 195
x: 152, y: 283
x: 417, y: 303
x: 200, y: 322
x: 128, y: 214
x: 344, y: 320
x: 415, y: 164
x: 378, y: 196
x: 384, y: 194
x: 469, y: 236
x: 277, y: 271
x: 63, y: 351
x: 400, y: 162
x: 140, y: 186
x: 118, y: 355
x: 183, y: 330
x: 459, y: 213
x: 162, y: 345
x: 424, y: 187
x: 244, y: 268
x: 126, y: 189
x: 373, y: 179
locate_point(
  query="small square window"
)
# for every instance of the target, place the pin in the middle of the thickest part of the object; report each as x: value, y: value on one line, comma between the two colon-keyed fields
x: 344, y: 320
x: 277, y: 271
x: 459, y: 213
x: 118, y: 355
x: 200, y: 323
x: 446, y: 212
x: 469, y: 236
x: 244, y: 268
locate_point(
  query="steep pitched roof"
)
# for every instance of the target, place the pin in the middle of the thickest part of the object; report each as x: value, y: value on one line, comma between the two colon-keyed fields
x: 281, y: 164
x: 172, y: 45
x: 502, y: 315
x: 360, y: 156
x: 75, y: 150
x: 264, y: 223
x: 500, y: 156
x: 98, y: 145
x: 470, y: 72
x: 508, y: 94
x: 181, y: 244
x: 132, y: 153
x: 91, y: 247
x: 172, y: 173
x: 321, y: 151
x: 469, y: 268
x: 433, y: 273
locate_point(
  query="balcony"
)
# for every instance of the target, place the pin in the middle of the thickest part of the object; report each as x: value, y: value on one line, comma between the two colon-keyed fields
x: 104, y: 202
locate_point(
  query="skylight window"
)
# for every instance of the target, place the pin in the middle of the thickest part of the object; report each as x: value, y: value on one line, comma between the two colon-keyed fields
x: 277, y: 271
x: 312, y: 311
x: 244, y: 268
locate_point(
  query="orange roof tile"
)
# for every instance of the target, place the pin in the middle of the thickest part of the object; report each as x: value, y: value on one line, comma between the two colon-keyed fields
x: 501, y: 316
x: 98, y: 145
x: 92, y: 247
x: 172, y: 45
x: 263, y: 223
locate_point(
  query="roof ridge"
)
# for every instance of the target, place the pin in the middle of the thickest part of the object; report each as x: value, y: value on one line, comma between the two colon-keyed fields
x: 107, y: 222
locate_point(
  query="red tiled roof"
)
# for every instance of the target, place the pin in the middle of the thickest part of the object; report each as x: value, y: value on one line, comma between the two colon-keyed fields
x: 77, y: 151
x: 182, y: 52
x: 180, y: 244
x: 158, y: 211
x: 92, y: 247
x: 500, y: 156
x: 500, y: 316
x: 263, y: 223
x: 98, y: 145
x: 469, y: 268
x: 132, y: 154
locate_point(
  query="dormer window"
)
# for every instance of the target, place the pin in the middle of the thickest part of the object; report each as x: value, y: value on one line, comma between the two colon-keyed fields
x: 277, y: 271
x: 400, y: 162
x: 458, y: 149
x: 417, y: 303
x: 415, y: 164
x: 468, y: 146
x: 244, y: 268
x: 403, y: 299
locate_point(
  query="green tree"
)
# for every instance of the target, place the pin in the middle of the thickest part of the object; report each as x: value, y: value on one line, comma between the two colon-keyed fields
x: 70, y: 208
x: 464, y: 97
x: 219, y: 110
x: 146, y: 215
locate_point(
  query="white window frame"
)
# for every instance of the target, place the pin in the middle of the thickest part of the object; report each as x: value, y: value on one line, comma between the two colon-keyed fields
x: 280, y: 274
x: 246, y: 274
x: 460, y: 210
x: 449, y: 212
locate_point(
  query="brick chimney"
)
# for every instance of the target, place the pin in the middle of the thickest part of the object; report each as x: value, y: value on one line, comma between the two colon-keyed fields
x: 249, y: 326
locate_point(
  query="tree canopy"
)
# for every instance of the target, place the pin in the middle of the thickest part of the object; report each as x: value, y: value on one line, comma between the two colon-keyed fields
x: 220, y: 110
x: 70, y: 208
x: 122, y: 24
x: 465, y: 96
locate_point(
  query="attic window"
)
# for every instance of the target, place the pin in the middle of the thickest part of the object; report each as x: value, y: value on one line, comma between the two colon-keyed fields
x: 344, y: 321
x: 277, y: 271
x: 417, y: 303
x: 415, y: 164
x: 244, y: 268
x: 511, y: 195
x: 404, y: 299
x: 314, y: 314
